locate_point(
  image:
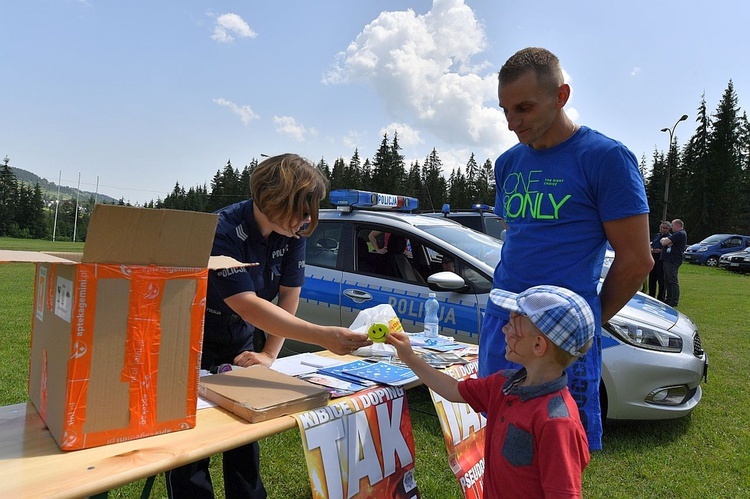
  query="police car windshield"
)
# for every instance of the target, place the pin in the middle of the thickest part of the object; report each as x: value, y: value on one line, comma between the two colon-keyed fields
x: 476, y: 244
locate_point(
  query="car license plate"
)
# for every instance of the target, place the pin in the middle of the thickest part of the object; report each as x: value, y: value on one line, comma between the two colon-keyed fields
x: 734, y: 264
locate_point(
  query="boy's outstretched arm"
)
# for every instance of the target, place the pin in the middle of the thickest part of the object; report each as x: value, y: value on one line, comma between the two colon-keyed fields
x: 438, y: 381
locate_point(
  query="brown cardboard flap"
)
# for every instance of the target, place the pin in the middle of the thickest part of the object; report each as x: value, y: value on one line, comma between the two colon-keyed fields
x: 141, y: 236
x: 258, y: 393
x: 226, y: 262
x: 68, y: 255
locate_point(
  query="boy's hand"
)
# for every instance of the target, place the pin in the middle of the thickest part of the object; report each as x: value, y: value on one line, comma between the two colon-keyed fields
x: 402, y: 344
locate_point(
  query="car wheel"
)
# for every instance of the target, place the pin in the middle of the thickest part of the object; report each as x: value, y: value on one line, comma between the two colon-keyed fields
x: 603, y: 401
x: 712, y: 261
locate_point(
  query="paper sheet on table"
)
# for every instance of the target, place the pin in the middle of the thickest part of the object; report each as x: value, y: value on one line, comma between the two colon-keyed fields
x: 303, y: 363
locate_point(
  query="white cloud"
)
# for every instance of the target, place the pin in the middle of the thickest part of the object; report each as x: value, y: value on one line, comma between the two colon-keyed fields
x: 636, y: 70
x: 287, y: 125
x: 353, y: 139
x: 407, y: 136
x: 227, y: 26
x: 245, y: 113
x: 423, y: 69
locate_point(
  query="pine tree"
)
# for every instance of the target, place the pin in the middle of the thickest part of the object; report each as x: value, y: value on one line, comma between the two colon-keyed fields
x: 435, y: 189
x: 472, y: 178
x: 338, y: 175
x: 485, y: 184
x: 725, y: 161
x: 458, y: 192
x: 8, y: 199
x: 352, y: 176
x: 414, y: 185
x: 655, y: 188
x: 381, y: 167
x: 694, y: 205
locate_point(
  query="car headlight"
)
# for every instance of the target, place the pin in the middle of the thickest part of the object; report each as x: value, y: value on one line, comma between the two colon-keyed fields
x: 704, y: 248
x: 645, y: 337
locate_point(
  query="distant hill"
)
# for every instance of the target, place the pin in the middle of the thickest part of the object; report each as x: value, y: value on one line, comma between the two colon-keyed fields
x: 49, y: 189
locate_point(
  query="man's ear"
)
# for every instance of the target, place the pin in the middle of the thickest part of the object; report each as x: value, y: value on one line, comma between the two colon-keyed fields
x: 563, y: 94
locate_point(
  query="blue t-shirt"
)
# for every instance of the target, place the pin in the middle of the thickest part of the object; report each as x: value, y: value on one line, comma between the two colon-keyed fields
x: 281, y: 262
x: 554, y: 202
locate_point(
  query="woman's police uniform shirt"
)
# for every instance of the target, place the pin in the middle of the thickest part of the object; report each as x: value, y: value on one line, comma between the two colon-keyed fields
x: 281, y: 262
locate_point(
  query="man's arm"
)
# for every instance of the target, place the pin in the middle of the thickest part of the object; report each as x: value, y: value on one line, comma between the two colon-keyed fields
x: 630, y: 239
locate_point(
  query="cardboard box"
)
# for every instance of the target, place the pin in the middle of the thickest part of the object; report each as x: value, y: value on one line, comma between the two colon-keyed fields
x: 258, y: 393
x: 117, y: 331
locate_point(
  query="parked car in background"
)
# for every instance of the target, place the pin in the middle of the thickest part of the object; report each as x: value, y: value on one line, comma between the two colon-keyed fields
x: 653, y: 361
x: 708, y: 251
x: 738, y: 261
x: 479, y: 217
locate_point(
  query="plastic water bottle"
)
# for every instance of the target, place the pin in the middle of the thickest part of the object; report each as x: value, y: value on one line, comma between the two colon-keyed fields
x: 431, y: 307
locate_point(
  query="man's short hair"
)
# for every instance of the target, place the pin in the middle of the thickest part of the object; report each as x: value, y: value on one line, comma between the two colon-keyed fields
x: 544, y: 63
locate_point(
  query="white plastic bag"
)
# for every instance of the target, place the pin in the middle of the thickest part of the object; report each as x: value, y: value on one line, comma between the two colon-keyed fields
x: 374, y: 321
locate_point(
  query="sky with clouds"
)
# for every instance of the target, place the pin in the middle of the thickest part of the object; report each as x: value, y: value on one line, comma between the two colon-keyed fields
x: 136, y: 96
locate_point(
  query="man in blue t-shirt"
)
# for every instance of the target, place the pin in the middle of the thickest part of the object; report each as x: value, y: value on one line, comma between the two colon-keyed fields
x: 564, y: 191
x: 269, y: 229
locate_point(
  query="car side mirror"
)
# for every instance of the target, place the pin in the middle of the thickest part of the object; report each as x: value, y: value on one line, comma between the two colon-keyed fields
x: 446, y: 281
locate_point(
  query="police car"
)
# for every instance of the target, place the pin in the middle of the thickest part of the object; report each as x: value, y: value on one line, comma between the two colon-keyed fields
x: 653, y: 362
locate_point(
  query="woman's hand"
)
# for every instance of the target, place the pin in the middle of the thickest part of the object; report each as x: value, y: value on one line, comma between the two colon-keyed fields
x: 343, y: 341
x: 247, y: 359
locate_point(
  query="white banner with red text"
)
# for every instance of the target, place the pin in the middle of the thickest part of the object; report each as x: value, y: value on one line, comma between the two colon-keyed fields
x: 463, y: 431
x: 360, y: 446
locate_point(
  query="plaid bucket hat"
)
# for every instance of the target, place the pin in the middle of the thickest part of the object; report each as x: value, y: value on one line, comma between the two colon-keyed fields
x: 562, y: 315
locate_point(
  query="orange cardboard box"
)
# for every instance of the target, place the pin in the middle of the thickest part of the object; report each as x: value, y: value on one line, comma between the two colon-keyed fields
x: 117, y: 331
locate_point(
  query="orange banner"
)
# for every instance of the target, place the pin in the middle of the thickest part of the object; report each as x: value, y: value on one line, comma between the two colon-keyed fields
x: 360, y: 446
x: 463, y: 431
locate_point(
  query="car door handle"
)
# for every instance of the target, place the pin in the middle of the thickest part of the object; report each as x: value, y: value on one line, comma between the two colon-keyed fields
x: 357, y: 295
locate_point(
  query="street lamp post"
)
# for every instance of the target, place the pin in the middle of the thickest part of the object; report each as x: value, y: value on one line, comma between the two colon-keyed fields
x: 669, y: 163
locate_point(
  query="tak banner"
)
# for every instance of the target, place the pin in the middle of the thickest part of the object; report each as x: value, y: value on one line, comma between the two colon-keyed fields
x: 360, y: 446
x: 463, y: 431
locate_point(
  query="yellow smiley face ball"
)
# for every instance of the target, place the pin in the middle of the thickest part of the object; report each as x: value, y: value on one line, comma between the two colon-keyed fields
x: 377, y: 332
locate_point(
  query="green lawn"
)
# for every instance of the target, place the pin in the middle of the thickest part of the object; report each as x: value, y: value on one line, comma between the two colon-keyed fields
x: 704, y: 455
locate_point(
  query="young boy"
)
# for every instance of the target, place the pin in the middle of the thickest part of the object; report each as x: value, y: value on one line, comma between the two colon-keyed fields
x: 535, y: 444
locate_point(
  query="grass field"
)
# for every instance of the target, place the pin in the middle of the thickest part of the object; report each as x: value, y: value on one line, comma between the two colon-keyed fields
x: 704, y: 455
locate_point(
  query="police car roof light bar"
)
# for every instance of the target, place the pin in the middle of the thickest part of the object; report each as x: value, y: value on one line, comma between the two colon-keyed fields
x: 347, y: 199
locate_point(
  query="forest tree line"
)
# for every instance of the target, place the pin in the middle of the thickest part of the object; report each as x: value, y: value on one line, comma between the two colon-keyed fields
x: 709, y: 186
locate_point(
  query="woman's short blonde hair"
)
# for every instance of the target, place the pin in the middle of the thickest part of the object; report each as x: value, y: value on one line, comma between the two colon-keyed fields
x: 288, y: 187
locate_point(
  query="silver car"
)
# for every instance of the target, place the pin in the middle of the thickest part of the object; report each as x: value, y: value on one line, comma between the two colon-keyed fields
x: 653, y: 362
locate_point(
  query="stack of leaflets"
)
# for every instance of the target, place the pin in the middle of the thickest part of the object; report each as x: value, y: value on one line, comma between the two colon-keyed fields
x: 368, y: 373
x: 439, y: 359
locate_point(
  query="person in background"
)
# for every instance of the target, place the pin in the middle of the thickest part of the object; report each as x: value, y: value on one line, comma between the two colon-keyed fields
x: 656, y: 284
x: 379, y: 241
x: 563, y: 191
x: 535, y: 444
x: 270, y: 228
x: 674, y: 246
x: 447, y: 264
